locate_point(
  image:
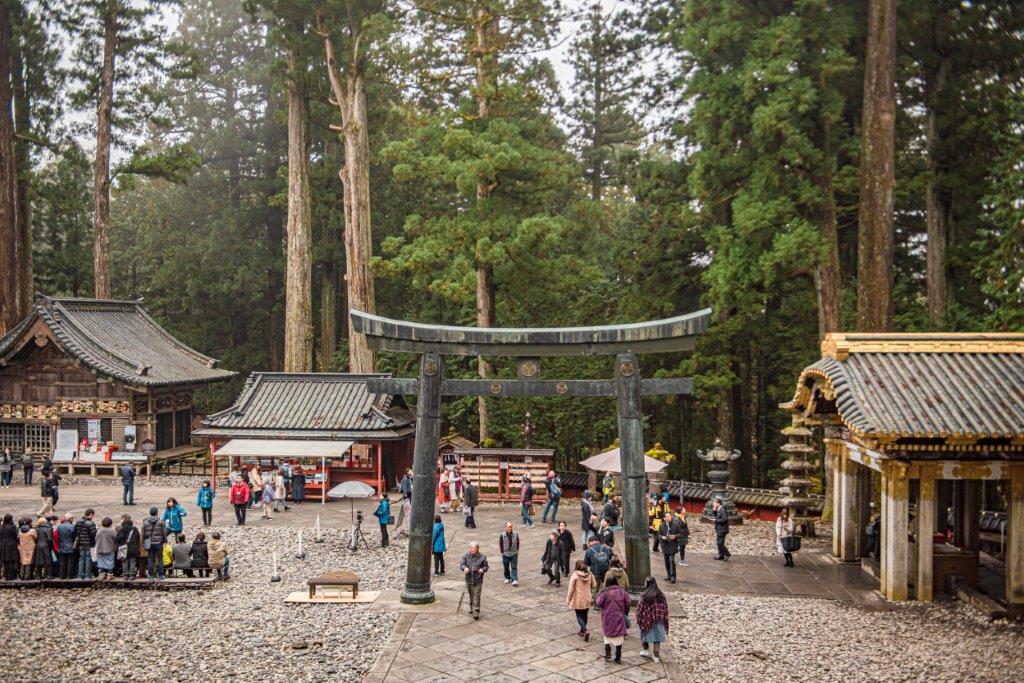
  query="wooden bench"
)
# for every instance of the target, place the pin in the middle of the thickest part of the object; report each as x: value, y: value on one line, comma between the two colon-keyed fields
x: 336, y: 579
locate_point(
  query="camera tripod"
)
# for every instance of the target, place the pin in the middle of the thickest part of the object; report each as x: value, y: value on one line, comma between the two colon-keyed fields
x: 357, y: 535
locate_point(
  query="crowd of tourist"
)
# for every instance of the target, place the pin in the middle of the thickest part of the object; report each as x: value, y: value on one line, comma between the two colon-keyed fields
x: 68, y: 548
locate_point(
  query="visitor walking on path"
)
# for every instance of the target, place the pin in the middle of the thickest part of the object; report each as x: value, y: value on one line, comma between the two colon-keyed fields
x: 580, y: 597
x: 46, y: 494
x: 669, y: 535
x: 554, y: 487
x: 154, y: 535
x: 614, y: 602
x: 471, y: 498
x: 684, y: 538
x: 526, y: 500
x: 239, y: 496
x: 608, y: 485
x: 659, y: 507
x: 280, y: 493
x: 267, y: 498
x: 10, y: 557
x: 255, y: 486
x: 28, y: 464
x: 85, y: 539
x: 784, y: 528
x: 444, y: 493
x: 610, y: 513
x: 129, y: 539
x: 617, y: 573
x: 549, y: 560
x: 597, y: 558
x: 204, y: 500
x: 173, y: 516
x: 106, y: 548
x: 652, y: 619
x: 508, y: 544
x: 721, y: 530
x: 438, y: 545
x: 128, y: 483
x: 587, y: 517
x: 383, y: 515
x: 474, y: 566
x: 606, y: 533
x: 566, y: 547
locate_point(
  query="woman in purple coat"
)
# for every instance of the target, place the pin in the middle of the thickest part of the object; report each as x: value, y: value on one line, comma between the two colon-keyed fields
x: 614, y: 603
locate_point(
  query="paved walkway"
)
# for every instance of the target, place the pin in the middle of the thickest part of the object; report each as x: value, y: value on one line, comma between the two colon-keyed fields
x: 527, y: 633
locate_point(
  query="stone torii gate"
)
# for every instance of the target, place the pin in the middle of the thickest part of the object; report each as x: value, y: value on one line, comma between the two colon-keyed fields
x: 528, y: 345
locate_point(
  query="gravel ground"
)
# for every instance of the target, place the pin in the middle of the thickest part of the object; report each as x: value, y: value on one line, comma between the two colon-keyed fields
x: 159, y: 480
x: 791, y: 639
x: 240, y: 630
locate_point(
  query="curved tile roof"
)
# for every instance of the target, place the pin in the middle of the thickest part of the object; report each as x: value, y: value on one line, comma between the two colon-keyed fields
x: 312, y: 403
x: 928, y: 394
x: 120, y: 340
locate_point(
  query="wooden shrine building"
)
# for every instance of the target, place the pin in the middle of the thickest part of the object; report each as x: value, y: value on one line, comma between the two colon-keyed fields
x: 101, y: 372
x: 330, y: 424
x: 937, y: 419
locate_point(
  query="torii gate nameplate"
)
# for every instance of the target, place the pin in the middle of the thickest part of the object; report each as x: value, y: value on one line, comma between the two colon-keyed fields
x: 433, y: 342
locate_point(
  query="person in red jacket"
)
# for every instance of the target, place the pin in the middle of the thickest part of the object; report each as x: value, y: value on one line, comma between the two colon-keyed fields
x: 239, y: 497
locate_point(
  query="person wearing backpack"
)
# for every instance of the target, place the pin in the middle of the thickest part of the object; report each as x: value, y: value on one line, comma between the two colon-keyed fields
x: 554, y: 487
x: 526, y: 500
x: 154, y: 535
x: 598, y: 557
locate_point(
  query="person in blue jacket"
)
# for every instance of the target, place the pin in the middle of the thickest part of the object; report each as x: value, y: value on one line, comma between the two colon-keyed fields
x: 383, y: 515
x: 172, y: 516
x: 205, y: 502
x: 438, y: 546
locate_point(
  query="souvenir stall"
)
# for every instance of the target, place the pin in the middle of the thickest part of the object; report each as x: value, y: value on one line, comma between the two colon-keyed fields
x: 316, y: 458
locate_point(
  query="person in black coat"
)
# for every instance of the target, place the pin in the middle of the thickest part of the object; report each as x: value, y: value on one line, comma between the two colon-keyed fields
x: 28, y: 464
x: 42, y: 560
x: 566, y: 547
x: 669, y: 537
x: 129, y: 535
x: 200, y: 555
x: 298, y: 485
x: 721, y: 530
x: 10, y: 558
x: 549, y: 560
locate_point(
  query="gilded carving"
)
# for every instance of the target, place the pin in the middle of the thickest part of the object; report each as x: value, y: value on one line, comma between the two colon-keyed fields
x: 112, y: 406
x: 972, y: 470
x: 10, y: 411
x: 41, y: 412
x: 140, y: 406
x: 77, y: 407
x: 182, y: 399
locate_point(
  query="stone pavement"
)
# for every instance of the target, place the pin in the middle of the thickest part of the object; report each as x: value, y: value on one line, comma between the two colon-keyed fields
x: 527, y: 633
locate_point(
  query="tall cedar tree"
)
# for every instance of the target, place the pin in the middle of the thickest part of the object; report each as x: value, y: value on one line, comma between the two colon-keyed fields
x: 10, y: 305
x: 877, y: 172
x: 121, y: 52
x: 351, y: 31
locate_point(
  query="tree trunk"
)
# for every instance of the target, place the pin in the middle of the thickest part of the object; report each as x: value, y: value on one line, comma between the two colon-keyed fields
x: 298, y: 307
x: 273, y: 293
x: 101, y: 169
x: 328, y: 276
x: 934, y: 207
x: 486, y: 32
x: 828, y: 277
x: 349, y: 92
x: 9, y: 267
x: 22, y: 126
x: 877, y: 172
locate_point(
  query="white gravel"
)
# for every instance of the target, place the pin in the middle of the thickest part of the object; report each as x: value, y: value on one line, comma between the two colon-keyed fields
x: 766, y: 639
x: 240, y: 630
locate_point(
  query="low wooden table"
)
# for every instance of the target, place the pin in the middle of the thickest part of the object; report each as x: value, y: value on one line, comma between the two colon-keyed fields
x: 336, y: 579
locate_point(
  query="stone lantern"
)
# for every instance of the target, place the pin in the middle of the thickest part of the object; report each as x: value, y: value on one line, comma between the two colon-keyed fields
x: 718, y: 460
x: 796, y: 485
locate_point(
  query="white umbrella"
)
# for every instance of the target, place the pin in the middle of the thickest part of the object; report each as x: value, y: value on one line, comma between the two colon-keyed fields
x: 352, y: 490
x: 609, y: 461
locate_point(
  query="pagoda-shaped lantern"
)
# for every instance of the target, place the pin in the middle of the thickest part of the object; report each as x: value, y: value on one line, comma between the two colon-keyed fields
x: 796, y: 486
x: 718, y: 460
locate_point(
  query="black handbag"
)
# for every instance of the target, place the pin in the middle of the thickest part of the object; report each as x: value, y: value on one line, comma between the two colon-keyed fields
x: 791, y: 544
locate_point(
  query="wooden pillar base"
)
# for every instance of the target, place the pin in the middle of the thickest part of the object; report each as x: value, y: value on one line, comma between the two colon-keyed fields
x: 895, y: 503
x: 925, y: 530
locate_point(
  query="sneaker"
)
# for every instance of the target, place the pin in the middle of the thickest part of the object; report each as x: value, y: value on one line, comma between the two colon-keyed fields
x: 515, y: 583
x: 655, y: 659
x: 684, y: 563
x: 645, y: 653
x: 508, y: 580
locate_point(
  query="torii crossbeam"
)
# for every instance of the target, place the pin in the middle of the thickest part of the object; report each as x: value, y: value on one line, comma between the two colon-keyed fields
x: 434, y: 342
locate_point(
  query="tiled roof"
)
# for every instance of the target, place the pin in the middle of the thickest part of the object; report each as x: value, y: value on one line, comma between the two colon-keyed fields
x: 118, y: 339
x: 314, y: 405
x: 929, y: 394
